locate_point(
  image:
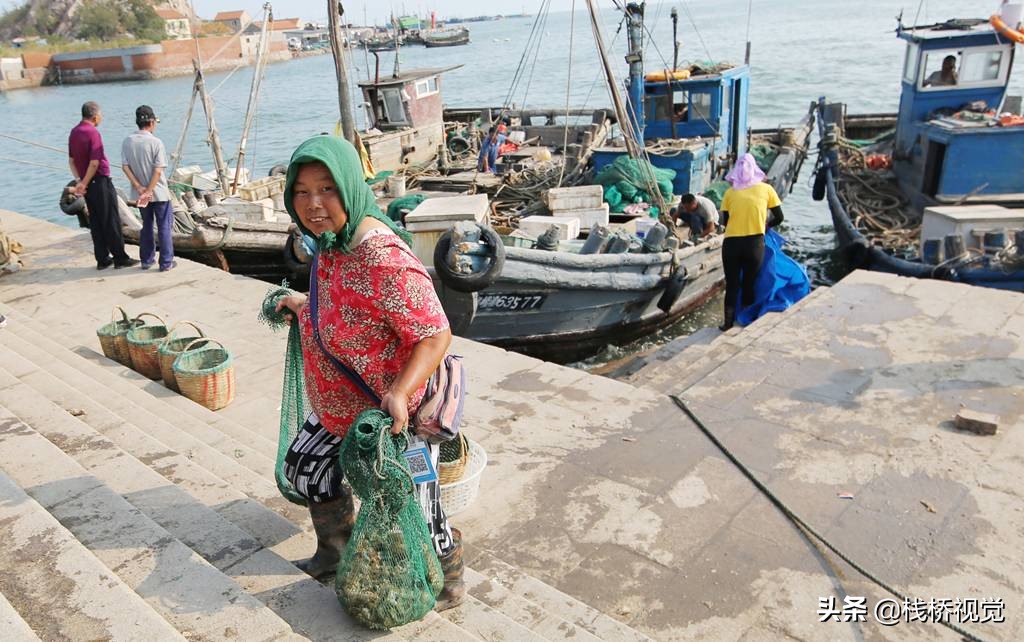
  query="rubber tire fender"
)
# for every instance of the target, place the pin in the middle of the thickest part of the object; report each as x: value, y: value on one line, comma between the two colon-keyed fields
x: 818, y: 191
x: 458, y: 145
x: 70, y: 204
x: 856, y: 253
x: 673, y: 290
x: 278, y: 170
x: 469, y: 282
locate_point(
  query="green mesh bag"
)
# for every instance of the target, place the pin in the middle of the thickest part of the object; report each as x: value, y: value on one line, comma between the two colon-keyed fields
x: 294, y: 405
x: 389, y: 574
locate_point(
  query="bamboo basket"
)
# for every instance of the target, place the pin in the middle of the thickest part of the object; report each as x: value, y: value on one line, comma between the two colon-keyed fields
x: 206, y: 376
x: 113, y: 337
x: 449, y: 472
x: 143, y: 341
x: 170, y: 349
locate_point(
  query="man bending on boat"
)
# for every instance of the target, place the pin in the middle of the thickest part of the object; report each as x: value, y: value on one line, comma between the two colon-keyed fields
x: 700, y: 214
x: 945, y: 76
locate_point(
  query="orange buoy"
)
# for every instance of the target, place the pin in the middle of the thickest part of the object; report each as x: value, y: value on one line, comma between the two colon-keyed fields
x: 997, y: 23
x: 668, y: 74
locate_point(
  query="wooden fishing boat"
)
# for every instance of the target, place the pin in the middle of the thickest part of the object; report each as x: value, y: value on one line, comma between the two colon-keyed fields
x: 932, y: 191
x: 445, y: 37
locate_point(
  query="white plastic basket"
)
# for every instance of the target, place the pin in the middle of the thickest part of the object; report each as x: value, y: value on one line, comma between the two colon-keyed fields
x: 457, y: 496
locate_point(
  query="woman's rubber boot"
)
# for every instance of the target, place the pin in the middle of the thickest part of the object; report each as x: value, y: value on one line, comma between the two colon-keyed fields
x: 451, y: 565
x: 332, y: 522
x: 730, y: 319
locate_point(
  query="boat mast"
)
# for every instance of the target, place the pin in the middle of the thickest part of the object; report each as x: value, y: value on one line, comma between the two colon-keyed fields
x: 348, y: 125
x: 214, y: 137
x: 633, y: 144
x: 635, y: 58
x: 254, y: 91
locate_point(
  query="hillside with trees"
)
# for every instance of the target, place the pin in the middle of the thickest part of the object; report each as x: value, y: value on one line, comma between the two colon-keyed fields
x: 94, y: 20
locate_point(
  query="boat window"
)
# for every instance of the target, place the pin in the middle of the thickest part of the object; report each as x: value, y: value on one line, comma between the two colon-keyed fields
x: 393, y: 107
x: 426, y: 87
x: 941, y: 69
x: 700, y: 105
x: 679, y: 105
x: 910, y: 63
x: 981, y: 66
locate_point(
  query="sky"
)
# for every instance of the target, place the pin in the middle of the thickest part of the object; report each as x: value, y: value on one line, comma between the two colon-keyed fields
x: 376, y: 10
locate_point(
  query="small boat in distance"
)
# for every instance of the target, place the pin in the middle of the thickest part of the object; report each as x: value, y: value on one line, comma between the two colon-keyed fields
x: 445, y: 37
x: 930, y: 191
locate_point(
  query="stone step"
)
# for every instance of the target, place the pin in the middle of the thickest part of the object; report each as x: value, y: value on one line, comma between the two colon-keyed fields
x: 309, y: 607
x: 475, y: 616
x: 553, y: 600
x: 549, y: 626
x: 14, y: 628
x: 244, y: 446
x: 250, y: 502
x: 190, y: 594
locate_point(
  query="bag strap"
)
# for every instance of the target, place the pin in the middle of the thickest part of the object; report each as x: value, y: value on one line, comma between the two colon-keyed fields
x: 349, y: 372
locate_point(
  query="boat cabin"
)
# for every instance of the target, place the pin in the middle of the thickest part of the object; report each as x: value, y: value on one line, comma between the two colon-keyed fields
x: 697, y: 117
x: 405, y: 119
x: 951, y: 145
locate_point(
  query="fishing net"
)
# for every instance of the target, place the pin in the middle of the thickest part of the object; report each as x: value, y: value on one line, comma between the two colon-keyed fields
x: 294, y: 405
x: 764, y: 155
x: 389, y: 574
x: 630, y: 177
x: 716, y: 192
x: 404, y: 205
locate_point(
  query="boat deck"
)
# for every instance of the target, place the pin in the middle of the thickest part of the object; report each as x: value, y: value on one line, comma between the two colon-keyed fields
x: 604, y: 491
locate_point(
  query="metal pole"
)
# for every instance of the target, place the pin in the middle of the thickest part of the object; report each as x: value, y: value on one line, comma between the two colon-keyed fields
x: 635, y: 58
x: 675, y: 39
x: 348, y: 125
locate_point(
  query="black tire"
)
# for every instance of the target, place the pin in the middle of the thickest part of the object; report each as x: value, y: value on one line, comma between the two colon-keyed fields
x: 469, y: 282
x: 458, y: 145
x: 856, y: 253
x: 278, y: 170
x: 673, y: 290
x: 69, y: 203
x: 818, y: 191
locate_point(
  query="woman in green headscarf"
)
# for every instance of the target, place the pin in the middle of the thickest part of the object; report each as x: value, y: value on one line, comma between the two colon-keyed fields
x: 378, y: 314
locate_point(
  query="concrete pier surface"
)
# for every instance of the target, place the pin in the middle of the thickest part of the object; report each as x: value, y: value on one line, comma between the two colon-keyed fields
x: 604, y: 512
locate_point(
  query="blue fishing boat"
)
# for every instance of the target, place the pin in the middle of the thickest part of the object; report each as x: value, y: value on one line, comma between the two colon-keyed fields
x: 933, y: 190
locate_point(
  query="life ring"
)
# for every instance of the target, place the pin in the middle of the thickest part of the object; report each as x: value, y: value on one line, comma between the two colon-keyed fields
x: 997, y: 23
x: 278, y: 170
x: 458, y: 145
x: 673, y: 290
x: 69, y: 203
x: 476, y: 281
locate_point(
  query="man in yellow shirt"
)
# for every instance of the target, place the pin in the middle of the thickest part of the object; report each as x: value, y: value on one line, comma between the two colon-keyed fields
x: 745, y: 208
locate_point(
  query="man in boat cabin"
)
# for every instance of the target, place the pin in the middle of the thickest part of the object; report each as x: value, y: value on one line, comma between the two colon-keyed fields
x: 944, y: 76
x: 91, y: 169
x: 700, y: 213
x: 144, y: 161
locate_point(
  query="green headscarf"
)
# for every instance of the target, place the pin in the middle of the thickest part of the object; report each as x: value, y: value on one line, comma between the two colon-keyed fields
x: 342, y: 159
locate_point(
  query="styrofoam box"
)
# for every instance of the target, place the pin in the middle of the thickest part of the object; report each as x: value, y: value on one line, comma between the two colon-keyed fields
x: 589, y: 216
x: 964, y: 220
x: 568, y: 228
x: 574, y: 198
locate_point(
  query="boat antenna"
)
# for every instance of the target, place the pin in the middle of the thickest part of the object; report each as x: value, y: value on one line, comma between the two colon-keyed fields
x: 746, y: 55
x: 675, y: 38
x: 335, y: 11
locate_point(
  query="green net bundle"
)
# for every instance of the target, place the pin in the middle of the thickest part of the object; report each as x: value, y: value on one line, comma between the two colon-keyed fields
x: 294, y: 405
x: 389, y: 574
x: 626, y: 181
x: 764, y: 154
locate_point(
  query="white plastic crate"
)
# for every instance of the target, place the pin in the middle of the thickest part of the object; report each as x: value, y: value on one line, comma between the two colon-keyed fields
x: 581, y: 197
x: 568, y: 228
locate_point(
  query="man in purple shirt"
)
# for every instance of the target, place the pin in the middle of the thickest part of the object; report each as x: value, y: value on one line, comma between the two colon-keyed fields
x: 91, y: 169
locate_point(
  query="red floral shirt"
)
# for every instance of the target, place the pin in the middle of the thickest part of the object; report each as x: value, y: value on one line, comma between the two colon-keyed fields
x: 375, y: 305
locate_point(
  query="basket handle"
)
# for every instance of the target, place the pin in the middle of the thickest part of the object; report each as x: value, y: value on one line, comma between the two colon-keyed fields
x: 200, y: 339
x: 170, y: 333
x: 465, y: 448
x: 150, y: 314
x: 124, y: 315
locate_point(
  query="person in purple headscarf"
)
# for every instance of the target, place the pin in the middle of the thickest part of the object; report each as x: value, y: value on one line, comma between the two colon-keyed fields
x: 745, y: 208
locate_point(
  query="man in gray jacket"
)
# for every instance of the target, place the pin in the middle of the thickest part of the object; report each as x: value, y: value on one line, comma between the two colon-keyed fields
x: 145, y: 165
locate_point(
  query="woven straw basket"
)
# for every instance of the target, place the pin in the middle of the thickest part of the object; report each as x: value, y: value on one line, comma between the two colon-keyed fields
x: 143, y: 342
x: 113, y: 336
x: 451, y: 471
x: 206, y: 376
x: 457, y: 496
x: 170, y: 349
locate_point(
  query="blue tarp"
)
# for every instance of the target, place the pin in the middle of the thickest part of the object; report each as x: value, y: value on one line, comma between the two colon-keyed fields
x: 780, y: 283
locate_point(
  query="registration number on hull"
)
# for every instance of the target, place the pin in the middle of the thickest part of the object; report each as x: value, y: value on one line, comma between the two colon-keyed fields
x: 510, y: 302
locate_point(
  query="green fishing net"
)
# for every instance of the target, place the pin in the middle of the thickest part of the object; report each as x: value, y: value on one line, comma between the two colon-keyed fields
x: 389, y: 574
x: 764, y: 154
x: 716, y: 192
x: 294, y: 405
x: 630, y: 177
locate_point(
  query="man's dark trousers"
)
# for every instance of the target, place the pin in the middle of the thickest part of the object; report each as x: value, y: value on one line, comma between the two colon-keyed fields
x: 104, y: 221
x: 164, y: 215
